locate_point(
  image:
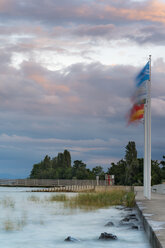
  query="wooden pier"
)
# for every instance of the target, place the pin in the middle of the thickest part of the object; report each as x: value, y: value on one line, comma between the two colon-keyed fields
x: 51, y: 182
x: 71, y: 188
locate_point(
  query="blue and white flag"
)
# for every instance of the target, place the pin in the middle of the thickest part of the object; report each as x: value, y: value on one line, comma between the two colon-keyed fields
x: 140, y: 95
x: 143, y: 76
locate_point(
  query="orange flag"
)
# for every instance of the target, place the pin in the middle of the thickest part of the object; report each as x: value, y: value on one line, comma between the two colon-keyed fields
x: 136, y: 113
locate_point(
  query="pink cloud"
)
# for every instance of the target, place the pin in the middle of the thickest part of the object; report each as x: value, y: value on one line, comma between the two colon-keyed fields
x: 48, y: 85
x: 73, y: 99
x: 6, y: 5
x: 153, y: 10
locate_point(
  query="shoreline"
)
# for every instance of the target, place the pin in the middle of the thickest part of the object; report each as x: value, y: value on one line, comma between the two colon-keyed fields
x: 152, y: 213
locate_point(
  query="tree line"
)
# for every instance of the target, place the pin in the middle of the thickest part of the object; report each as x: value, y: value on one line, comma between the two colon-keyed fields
x: 127, y: 171
x: 60, y: 168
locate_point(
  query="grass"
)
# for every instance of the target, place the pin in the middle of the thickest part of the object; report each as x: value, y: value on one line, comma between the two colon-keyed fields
x: 14, y: 225
x: 130, y: 199
x: 34, y: 198
x: 90, y: 201
x: 52, y: 198
x: 8, y: 225
x: 85, y: 201
x: 102, y: 199
x: 61, y: 197
x: 7, y: 202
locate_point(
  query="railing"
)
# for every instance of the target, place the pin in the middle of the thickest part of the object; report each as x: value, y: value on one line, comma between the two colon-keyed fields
x: 50, y: 182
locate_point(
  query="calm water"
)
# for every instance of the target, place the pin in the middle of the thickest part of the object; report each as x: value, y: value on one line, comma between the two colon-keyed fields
x: 27, y: 220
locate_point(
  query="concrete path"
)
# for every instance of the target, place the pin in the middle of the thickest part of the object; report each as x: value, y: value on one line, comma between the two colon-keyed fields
x: 153, y: 214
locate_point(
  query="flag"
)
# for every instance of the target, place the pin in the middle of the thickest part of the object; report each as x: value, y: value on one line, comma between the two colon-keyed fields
x: 136, y: 113
x: 143, y: 76
x: 140, y: 95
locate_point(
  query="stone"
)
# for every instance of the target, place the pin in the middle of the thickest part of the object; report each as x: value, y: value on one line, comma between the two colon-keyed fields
x: 120, y: 207
x: 71, y: 239
x: 128, y: 209
x: 107, y: 236
x: 110, y: 223
x: 130, y: 217
x: 135, y: 227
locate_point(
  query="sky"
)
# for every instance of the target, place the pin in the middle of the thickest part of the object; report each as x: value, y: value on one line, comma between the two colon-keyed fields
x: 67, y: 71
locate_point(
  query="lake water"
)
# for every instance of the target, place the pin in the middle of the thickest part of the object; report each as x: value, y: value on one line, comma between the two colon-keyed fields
x: 27, y: 220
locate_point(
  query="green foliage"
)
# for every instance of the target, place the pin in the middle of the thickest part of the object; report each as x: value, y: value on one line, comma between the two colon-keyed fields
x: 60, y: 168
x: 163, y: 168
x: 130, y: 199
x: 33, y: 198
x: 61, y: 197
x: 130, y: 170
x: 155, y: 172
x: 7, y: 202
x: 131, y: 163
x: 67, y: 159
x: 102, y: 199
x: 127, y: 171
x: 119, y: 171
x: 79, y: 170
x: 14, y: 225
x: 98, y: 171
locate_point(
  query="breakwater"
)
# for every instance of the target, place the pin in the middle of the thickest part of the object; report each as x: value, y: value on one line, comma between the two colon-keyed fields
x: 152, y: 213
x: 50, y: 182
x: 83, y: 188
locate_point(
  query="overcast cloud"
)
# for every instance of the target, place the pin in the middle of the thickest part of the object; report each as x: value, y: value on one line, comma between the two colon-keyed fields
x: 67, y: 72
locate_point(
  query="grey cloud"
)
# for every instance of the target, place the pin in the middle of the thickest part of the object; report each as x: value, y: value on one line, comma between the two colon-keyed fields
x: 88, y: 119
x: 95, y: 30
x: 80, y: 107
x: 64, y: 26
x: 43, y: 91
x: 68, y: 11
x: 79, y: 90
x: 150, y: 34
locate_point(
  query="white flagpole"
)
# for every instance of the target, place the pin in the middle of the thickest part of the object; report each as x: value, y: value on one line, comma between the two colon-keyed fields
x: 145, y: 151
x: 149, y: 134
x: 147, y: 139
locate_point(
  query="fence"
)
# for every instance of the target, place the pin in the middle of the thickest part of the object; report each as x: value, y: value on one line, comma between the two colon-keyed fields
x: 50, y: 182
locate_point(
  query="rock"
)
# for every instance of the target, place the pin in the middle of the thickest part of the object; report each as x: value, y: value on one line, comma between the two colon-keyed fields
x: 128, y: 209
x: 110, y: 223
x: 130, y: 217
x: 71, y: 239
x: 120, y: 207
x: 126, y: 219
x: 135, y: 227
x: 107, y: 236
x: 128, y: 224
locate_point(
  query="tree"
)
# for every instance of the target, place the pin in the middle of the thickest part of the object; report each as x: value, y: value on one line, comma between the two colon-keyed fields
x: 98, y: 171
x: 67, y: 159
x: 46, y: 162
x: 163, y: 168
x: 36, y: 171
x: 155, y: 172
x: 79, y: 170
x: 139, y: 174
x: 60, y: 168
x: 60, y: 160
x: 119, y: 171
x: 53, y: 168
x: 131, y: 163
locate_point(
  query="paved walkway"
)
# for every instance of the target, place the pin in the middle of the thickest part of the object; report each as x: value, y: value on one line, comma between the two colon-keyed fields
x: 154, y: 213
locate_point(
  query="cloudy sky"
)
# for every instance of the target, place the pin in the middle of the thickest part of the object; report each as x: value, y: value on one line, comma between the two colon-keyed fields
x: 67, y: 70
